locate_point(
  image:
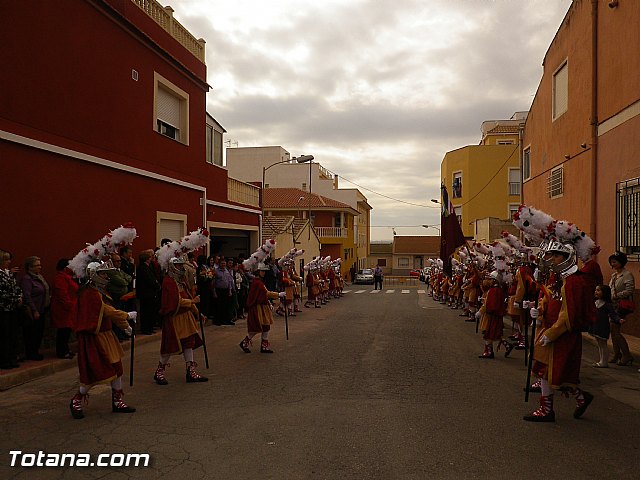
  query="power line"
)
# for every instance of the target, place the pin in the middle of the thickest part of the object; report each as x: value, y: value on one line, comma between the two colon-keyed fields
x: 383, y: 195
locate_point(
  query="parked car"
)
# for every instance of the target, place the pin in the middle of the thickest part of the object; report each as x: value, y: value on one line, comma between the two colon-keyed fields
x: 364, y: 276
x: 414, y: 273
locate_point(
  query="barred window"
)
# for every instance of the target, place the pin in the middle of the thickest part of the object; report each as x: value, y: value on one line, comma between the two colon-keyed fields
x: 627, y: 213
x: 555, y: 182
x: 526, y: 163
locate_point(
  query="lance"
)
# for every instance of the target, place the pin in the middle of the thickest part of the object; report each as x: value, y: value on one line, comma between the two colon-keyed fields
x: 204, y: 341
x: 526, y: 335
x: 286, y: 316
x: 531, y: 349
x: 133, y: 348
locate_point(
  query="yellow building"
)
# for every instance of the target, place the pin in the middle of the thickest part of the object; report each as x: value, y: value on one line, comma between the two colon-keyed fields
x: 485, y: 180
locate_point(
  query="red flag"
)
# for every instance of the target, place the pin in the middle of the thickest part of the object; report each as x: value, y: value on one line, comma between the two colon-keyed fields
x: 451, y: 236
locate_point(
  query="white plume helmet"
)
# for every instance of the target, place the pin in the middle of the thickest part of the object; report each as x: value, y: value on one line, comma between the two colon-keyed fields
x: 176, y: 249
x: 540, y: 226
x: 120, y: 237
x: 259, y: 255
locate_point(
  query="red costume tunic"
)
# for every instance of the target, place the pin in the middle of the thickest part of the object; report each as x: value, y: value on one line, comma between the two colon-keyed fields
x: 312, y: 286
x: 179, y: 312
x: 99, y: 352
x: 564, y: 320
x: 492, y: 324
x: 260, y: 317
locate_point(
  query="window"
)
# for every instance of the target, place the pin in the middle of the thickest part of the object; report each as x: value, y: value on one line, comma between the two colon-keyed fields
x: 403, y: 262
x: 346, y: 254
x: 513, y: 208
x: 506, y: 142
x: 382, y: 262
x: 217, y: 148
x: 304, y: 186
x: 209, y: 140
x: 337, y: 222
x: 514, y: 181
x: 526, y: 163
x: 555, y: 182
x: 170, y: 110
x: 560, y: 91
x: 170, y: 225
x: 456, y: 187
x: 458, y: 211
x: 628, y: 214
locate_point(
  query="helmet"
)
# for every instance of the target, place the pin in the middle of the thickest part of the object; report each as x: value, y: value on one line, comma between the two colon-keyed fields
x: 568, y: 252
x: 93, y: 268
x: 176, y: 269
x: 262, y: 266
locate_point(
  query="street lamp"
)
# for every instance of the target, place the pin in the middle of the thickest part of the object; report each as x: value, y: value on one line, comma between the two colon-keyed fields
x: 432, y: 226
x: 305, y: 159
x: 300, y: 159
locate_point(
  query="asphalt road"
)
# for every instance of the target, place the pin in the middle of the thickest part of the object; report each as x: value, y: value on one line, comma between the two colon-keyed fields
x: 383, y: 386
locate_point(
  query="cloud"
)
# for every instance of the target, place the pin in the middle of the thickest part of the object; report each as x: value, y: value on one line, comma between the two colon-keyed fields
x: 377, y: 90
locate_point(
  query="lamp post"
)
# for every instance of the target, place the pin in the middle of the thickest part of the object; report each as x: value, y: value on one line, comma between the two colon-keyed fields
x: 305, y: 159
x: 432, y: 226
x: 300, y: 159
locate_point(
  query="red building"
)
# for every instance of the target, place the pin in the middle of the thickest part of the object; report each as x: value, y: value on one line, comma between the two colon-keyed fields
x: 103, y: 121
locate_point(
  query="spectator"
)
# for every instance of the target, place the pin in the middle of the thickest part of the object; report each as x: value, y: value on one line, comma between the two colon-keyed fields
x: 605, y: 314
x: 352, y: 273
x: 63, y: 307
x: 377, y: 277
x: 243, y: 290
x: 117, y: 287
x: 205, y: 286
x: 148, y: 290
x: 622, y: 286
x: 271, y: 275
x: 36, y: 298
x: 127, y: 265
x: 10, y: 302
x: 223, y: 294
x: 233, y: 270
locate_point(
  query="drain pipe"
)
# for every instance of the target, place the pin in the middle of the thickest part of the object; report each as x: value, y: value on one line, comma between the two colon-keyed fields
x: 594, y: 117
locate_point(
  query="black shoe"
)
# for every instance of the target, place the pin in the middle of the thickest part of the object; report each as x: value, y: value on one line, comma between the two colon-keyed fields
x: 8, y: 366
x: 532, y: 389
x: 579, y: 411
x: 37, y: 357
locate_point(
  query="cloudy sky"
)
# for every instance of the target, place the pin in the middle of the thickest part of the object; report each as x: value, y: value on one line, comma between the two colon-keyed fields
x: 377, y: 90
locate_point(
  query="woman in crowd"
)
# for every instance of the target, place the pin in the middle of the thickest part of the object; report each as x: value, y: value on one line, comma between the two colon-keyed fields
x: 622, y: 286
x: 148, y: 293
x: 36, y: 299
x: 10, y: 302
x: 63, y: 307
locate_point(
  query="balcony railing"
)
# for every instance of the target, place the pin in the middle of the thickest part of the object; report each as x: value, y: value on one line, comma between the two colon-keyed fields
x: 244, y: 193
x: 514, y: 188
x: 163, y: 16
x: 331, y: 232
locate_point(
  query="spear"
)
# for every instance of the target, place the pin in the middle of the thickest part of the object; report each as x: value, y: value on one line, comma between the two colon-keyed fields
x: 531, y: 349
x: 204, y: 342
x: 133, y: 348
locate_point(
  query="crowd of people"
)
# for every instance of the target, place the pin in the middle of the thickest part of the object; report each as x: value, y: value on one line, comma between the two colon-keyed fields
x: 102, y: 296
x: 552, y: 293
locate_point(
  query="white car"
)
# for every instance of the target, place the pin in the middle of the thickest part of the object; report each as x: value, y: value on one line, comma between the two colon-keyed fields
x: 364, y: 276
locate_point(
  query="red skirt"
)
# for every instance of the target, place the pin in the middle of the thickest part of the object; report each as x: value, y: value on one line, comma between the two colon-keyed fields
x: 93, y: 365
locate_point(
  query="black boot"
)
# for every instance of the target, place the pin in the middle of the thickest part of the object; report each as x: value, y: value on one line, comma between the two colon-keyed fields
x: 192, y: 376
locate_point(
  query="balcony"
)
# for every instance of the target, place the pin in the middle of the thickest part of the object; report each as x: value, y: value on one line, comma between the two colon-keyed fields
x: 163, y: 16
x: 331, y: 232
x: 244, y: 193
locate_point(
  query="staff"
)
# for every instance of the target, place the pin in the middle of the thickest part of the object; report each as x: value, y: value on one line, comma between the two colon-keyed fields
x: 531, y: 349
x: 133, y: 348
x: 204, y: 342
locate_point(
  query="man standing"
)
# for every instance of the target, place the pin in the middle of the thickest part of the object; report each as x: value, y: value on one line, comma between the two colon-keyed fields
x: 223, y: 294
x: 377, y: 277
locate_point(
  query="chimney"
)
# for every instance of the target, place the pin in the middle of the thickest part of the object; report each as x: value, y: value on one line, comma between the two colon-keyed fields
x: 335, y: 181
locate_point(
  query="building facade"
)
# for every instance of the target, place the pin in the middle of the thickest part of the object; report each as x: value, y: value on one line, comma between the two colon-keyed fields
x: 105, y: 123
x: 275, y: 166
x: 411, y: 252
x: 581, y: 159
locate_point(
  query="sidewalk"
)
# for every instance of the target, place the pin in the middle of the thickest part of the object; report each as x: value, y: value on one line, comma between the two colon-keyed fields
x: 31, y: 370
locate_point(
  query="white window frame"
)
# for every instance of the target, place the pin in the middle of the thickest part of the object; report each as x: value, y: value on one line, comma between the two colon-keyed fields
x: 555, y: 182
x: 163, y: 128
x: 514, y: 186
x: 506, y: 142
x: 403, y: 262
x: 458, y: 213
x: 512, y: 208
x: 457, y: 174
x: 526, y: 163
x: 209, y: 142
x: 170, y: 216
x: 559, y: 89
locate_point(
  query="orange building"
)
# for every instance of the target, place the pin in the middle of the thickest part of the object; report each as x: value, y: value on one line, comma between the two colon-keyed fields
x: 581, y: 149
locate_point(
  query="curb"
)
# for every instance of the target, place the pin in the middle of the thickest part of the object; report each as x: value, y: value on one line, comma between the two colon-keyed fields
x: 49, y: 366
